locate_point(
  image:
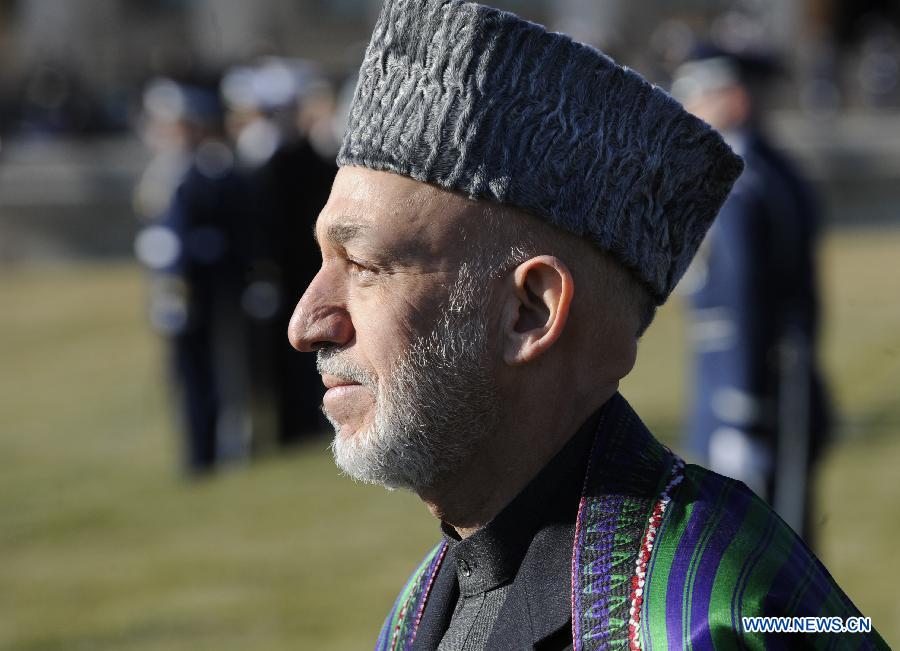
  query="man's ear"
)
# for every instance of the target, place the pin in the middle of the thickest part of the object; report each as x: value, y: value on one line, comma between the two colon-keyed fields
x: 537, y: 309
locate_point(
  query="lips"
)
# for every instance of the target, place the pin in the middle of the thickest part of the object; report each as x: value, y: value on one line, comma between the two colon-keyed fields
x: 343, y: 394
x: 334, y: 381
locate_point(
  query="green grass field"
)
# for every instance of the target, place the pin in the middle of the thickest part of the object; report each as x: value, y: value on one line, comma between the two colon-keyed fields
x: 104, y: 546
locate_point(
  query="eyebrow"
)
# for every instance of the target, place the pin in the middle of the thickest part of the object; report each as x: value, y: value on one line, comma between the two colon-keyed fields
x: 342, y: 233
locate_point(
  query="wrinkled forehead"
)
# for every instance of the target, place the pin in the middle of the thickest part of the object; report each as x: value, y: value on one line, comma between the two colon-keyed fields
x: 397, y: 213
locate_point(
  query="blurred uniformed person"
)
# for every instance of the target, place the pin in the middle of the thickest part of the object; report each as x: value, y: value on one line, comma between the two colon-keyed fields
x: 195, y: 205
x: 269, y: 108
x: 759, y: 412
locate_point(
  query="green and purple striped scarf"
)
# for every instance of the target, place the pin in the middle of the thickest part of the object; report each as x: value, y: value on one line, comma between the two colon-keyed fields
x: 668, y: 556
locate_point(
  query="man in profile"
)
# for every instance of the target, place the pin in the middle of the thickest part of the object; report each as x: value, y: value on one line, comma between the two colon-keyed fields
x: 510, y: 209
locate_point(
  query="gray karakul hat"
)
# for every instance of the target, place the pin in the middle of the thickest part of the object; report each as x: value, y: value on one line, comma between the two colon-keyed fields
x: 479, y: 101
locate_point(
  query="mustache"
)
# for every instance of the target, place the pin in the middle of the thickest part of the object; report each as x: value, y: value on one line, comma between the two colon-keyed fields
x: 329, y: 361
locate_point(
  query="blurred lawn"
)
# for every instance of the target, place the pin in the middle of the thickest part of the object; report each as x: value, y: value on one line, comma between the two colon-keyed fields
x: 104, y: 546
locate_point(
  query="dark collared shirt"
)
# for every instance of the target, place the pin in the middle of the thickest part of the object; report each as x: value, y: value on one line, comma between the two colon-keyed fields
x: 486, y: 562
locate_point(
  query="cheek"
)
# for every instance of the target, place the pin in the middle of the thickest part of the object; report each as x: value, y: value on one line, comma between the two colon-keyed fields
x: 386, y: 320
x: 382, y: 334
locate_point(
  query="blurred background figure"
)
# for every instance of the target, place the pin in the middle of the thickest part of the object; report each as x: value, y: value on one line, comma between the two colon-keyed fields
x: 238, y: 175
x: 280, y: 117
x: 759, y: 412
x: 195, y: 206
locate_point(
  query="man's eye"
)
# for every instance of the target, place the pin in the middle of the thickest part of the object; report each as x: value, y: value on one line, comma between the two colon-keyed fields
x: 359, y: 268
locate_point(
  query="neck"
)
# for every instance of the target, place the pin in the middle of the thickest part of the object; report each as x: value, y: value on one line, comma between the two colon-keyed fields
x: 508, y: 460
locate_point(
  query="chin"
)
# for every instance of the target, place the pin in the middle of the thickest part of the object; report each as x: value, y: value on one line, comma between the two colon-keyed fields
x: 366, y: 456
x: 349, y: 429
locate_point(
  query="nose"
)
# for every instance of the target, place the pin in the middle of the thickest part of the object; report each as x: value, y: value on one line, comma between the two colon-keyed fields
x: 320, y: 319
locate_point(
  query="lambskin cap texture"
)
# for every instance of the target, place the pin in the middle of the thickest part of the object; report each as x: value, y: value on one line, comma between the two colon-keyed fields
x: 481, y: 102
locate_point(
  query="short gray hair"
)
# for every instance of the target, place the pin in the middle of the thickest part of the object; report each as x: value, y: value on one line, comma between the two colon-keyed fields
x: 515, y: 240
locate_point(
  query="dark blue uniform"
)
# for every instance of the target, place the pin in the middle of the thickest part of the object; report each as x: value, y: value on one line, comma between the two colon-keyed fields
x: 759, y: 412
x: 202, y: 287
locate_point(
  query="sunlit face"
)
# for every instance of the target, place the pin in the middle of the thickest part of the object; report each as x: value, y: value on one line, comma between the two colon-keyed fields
x: 399, y: 321
x: 723, y: 108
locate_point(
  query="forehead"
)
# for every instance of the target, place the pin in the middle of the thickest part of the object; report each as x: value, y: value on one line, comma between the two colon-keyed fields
x: 393, y: 210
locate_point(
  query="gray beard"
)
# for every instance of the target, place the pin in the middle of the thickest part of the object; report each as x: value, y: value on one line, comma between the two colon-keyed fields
x: 438, y: 402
